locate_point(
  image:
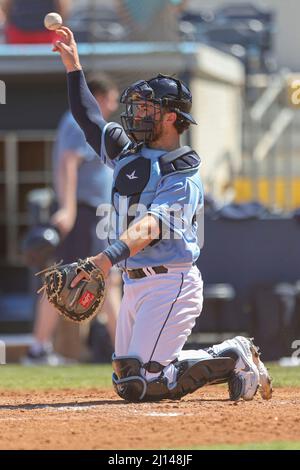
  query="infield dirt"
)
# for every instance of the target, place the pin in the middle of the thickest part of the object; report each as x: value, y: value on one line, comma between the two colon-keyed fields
x: 97, y: 419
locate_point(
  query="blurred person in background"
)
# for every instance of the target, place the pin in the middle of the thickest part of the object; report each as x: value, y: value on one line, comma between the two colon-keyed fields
x: 81, y: 183
x: 25, y: 20
x: 2, y: 23
x: 2, y: 16
x: 155, y: 20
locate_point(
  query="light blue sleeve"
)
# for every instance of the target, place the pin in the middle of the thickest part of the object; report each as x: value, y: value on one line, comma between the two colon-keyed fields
x: 177, y: 199
x: 71, y: 138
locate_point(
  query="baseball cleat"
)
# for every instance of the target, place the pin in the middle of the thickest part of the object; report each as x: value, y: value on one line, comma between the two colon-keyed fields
x: 265, y: 380
x: 244, y: 382
x: 244, y: 379
x: 251, y: 354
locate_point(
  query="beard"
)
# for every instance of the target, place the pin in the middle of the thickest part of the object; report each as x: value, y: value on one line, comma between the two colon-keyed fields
x: 157, y: 131
x: 147, y: 131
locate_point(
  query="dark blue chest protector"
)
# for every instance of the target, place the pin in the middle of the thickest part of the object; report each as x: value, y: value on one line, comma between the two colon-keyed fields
x: 136, y: 178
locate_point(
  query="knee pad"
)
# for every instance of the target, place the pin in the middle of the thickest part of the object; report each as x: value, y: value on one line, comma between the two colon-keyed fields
x: 130, y: 385
x: 127, y: 379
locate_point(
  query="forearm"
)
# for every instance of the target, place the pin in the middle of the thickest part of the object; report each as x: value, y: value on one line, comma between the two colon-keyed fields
x: 83, y: 105
x: 141, y: 234
x: 68, y: 182
x: 131, y: 242
x: 6, y: 5
x: 63, y: 8
x: 85, y: 109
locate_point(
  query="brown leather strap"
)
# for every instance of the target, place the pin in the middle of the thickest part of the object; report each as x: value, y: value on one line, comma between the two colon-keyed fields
x: 139, y: 273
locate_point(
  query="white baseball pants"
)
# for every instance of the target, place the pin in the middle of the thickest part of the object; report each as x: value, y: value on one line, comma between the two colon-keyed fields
x: 157, y: 315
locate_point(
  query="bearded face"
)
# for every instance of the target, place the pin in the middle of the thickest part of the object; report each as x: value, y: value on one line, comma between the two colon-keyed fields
x: 143, y: 120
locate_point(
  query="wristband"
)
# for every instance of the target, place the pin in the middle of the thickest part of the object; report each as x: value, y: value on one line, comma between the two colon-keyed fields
x: 117, y: 252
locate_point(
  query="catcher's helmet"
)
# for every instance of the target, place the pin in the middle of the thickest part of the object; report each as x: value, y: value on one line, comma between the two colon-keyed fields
x: 163, y: 91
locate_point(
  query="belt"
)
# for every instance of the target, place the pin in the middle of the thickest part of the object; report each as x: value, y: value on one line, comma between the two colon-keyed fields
x: 144, y: 272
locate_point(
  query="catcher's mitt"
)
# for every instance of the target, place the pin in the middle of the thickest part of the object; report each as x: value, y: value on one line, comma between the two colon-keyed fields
x: 81, y: 302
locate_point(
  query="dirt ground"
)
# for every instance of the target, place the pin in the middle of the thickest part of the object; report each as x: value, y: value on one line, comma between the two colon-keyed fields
x: 97, y: 419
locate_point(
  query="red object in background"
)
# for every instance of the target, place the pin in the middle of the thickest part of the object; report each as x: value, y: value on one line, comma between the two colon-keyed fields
x: 17, y: 36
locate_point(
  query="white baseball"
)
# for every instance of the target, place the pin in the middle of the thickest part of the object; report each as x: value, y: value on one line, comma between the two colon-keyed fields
x: 53, y: 21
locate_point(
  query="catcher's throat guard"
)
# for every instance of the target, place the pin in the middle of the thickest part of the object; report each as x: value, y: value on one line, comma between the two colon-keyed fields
x: 80, y: 303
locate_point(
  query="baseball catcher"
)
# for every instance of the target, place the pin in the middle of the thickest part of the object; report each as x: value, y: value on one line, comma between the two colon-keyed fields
x: 79, y: 303
x: 156, y: 195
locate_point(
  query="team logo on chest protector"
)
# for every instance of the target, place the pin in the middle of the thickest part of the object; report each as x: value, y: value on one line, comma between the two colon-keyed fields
x: 133, y: 177
x: 133, y: 183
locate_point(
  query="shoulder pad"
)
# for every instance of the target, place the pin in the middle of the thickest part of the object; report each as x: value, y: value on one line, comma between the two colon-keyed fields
x: 115, y: 139
x: 182, y: 159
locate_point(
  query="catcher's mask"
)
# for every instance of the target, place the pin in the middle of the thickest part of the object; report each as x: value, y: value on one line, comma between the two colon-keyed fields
x: 145, y: 102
